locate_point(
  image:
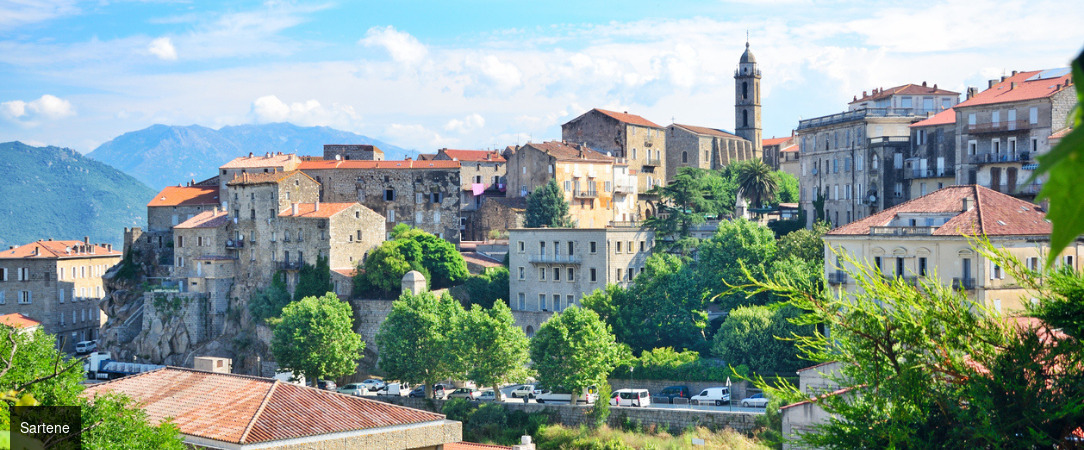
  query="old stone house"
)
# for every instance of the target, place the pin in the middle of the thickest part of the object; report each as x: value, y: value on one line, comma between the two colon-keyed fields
x: 482, y: 176
x: 705, y: 148
x: 255, y: 164
x: 931, y: 163
x: 356, y: 152
x: 782, y: 154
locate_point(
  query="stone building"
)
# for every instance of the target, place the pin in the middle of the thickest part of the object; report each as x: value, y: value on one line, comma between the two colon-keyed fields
x: 931, y: 163
x: 59, y: 284
x: 632, y: 139
x: 498, y: 214
x: 854, y: 160
x: 598, y: 188
x: 747, y: 100
x: 551, y: 269
x: 423, y: 194
x: 267, y: 163
x: 482, y: 175
x: 355, y: 152
x: 929, y: 237
x: 176, y: 204
x: 705, y: 148
x: 1001, y: 131
x: 782, y: 154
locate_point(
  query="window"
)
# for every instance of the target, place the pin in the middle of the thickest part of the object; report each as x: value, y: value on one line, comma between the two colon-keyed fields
x: 684, y: 157
x: 391, y: 215
x: 897, y: 160
x: 571, y: 274
x: 1034, y: 144
x: 24, y: 274
x: 1032, y: 264
x: 972, y: 147
x: 946, y: 103
x: 922, y: 266
x: 4, y: 271
x: 858, y: 163
x: 835, y: 192
x: 541, y: 274
x: 418, y: 217
x: 996, y: 273
x: 629, y: 247
x: 3, y: 301
x: 642, y: 245
x: 877, y: 264
x: 60, y: 295
x: 593, y: 275
x: 419, y: 197
x: 570, y: 248
x: 971, y: 120
x: 906, y: 102
x: 542, y: 301
x: 389, y: 195
x: 619, y: 273
x: 873, y: 162
x: 1033, y: 115
x: 541, y: 247
x: 521, y: 273
x: 995, y: 117
x: 847, y: 164
x: 835, y: 165
x: 556, y: 274
x: 180, y: 241
x: 522, y: 301
x: 556, y: 302
x: 618, y: 249
x: 521, y: 246
x: 26, y: 297
x: 1069, y: 261
x: 568, y: 300
x: 609, y: 186
x: 899, y: 267
x: 436, y: 197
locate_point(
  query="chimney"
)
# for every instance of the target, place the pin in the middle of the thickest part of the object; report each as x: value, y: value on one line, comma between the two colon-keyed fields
x: 293, y: 208
x: 967, y: 203
x: 923, y: 83
x: 249, y: 154
x: 35, y: 250
x: 1012, y: 86
x: 971, y: 92
x: 864, y: 94
x: 935, y: 86
x: 1015, y: 72
x: 86, y: 240
x: 50, y: 239
x: 1004, y: 77
x: 991, y: 84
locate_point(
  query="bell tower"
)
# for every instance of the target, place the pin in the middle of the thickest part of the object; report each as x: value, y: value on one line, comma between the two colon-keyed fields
x: 747, y: 100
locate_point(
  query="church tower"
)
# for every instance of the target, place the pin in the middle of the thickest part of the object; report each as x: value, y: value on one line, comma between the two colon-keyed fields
x: 747, y: 100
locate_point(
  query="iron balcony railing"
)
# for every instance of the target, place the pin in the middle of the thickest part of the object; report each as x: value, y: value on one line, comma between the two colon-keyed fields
x: 929, y: 173
x: 861, y: 114
x: 901, y: 231
x: 997, y: 127
x: 585, y: 194
x: 290, y: 265
x: 964, y: 284
x: 653, y: 162
x: 991, y: 158
x: 234, y: 244
x: 554, y: 259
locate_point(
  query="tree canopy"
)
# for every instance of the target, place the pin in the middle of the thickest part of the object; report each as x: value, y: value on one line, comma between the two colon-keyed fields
x: 546, y: 206
x: 735, y: 243
x: 761, y: 338
x: 410, y: 249
x: 315, y: 337
x: 269, y: 301
x: 493, y: 349
x: 575, y: 350
x: 417, y: 340
x: 488, y: 288
x: 756, y: 182
x: 313, y: 280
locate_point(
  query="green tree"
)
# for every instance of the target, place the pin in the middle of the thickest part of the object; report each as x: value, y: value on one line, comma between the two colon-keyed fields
x: 680, y: 206
x: 756, y: 182
x: 761, y: 338
x: 546, y: 206
x: 417, y: 340
x: 805, y: 244
x: 269, y: 301
x: 489, y: 288
x: 315, y: 338
x: 494, y: 350
x: 574, y: 350
x: 439, y: 257
x: 735, y: 243
x: 787, y: 188
x: 411, y: 249
x: 313, y: 281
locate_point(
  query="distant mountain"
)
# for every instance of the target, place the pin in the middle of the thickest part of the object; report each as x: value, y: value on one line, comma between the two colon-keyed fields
x: 163, y: 155
x: 51, y: 192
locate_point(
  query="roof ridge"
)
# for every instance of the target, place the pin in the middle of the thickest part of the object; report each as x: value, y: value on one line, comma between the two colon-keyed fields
x: 978, y: 210
x: 255, y: 417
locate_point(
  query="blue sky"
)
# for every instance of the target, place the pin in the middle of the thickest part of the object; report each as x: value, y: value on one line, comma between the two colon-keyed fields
x: 485, y: 74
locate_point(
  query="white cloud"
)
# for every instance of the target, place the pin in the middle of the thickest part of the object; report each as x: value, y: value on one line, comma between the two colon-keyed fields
x: 467, y: 124
x: 14, y: 13
x: 418, y: 136
x: 47, y: 107
x: 270, y: 109
x: 13, y: 109
x: 163, y: 49
x: 402, y: 47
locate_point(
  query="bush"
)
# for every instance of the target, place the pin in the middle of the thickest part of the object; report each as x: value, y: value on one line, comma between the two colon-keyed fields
x: 668, y: 364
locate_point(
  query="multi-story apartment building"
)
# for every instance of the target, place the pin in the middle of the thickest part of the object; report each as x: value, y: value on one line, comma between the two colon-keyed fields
x: 268, y: 163
x: 633, y: 139
x: 57, y: 283
x: 705, y: 148
x: 176, y: 204
x: 553, y: 268
x: 931, y: 163
x: 598, y: 188
x: 782, y: 154
x: 423, y: 194
x: 1001, y: 131
x: 854, y: 160
x: 481, y: 173
x: 929, y: 237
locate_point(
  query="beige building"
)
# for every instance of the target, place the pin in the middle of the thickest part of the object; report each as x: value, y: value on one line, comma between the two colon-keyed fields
x: 1001, y: 131
x: 59, y: 284
x: 176, y: 204
x: 782, y: 154
x: 928, y: 237
x: 705, y: 148
x: 551, y: 269
x: 598, y: 188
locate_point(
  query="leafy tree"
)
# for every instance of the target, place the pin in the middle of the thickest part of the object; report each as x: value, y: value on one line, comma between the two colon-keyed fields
x: 268, y: 302
x: 417, y: 340
x: 735, y: 243
x: 315, y: 338
x: 546, y: 206
x: 757, y: 182
x: 119, y: 424
x: 787, y: 188
x: 412, y: 249
x: 439, y: 257
x: 574, y: 350
x: 805, y: 244
x: 761, y: 338
x: 681, y: 205
x: 313, y: 281
x: 820, y: 213
x: 489, y: 287
x: 493, y: 348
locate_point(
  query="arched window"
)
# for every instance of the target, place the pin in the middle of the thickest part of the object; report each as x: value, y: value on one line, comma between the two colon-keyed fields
x: 684, y: 157
x: 745, y: 118
x: 744, y: 90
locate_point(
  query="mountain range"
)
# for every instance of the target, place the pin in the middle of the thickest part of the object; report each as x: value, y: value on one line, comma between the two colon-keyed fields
x: 52, y: 192
x: 163, y: 155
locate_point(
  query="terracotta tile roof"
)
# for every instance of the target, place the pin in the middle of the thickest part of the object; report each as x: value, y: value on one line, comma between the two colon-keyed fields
x: 479, y: 259
x: 353, y: 164
x: 942, y: 118
x: 57, y: 249
x: 186, y: 196
x: 472, y: 155
x: 1061, y: 133
x: 993, y: 214
x: 244, y: 409
x: 563, y: 151
x: 628, y: 118
x: 473, y: 446
x: 1004, y: 92
x: 346, y: 272
x: 17, y: 320
x: 206, y: 219
x: 906, y: 89
x: 288, y: 161
x: 707, y: 131
x: 248, y: 179
x: 775, y: 141
x: 789, y: 149
x: 310, y: 211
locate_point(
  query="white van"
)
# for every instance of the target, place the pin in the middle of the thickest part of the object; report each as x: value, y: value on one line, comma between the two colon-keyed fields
x: 397, y: 389
x: 561, y: 395
x: 717, y: 396
x: 630, y: 397
x: 82, y: 347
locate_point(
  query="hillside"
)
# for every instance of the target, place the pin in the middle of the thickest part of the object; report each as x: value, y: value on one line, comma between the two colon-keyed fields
x: 57, y: 193
x: 163, y: 155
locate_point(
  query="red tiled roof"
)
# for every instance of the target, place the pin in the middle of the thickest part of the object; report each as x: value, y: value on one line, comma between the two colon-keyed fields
x: 245, y: 410
x: 707, y: 131
x: 1004, y: 92
x: 17, y: 320
x: 789, y: 149
x: 248, y: 179
x: 346, y: 272
x: 907, y: 89
x: 992, y: 214
x: 775, y: 141
x: 942, y: 118
x: 287, y: 161
x: 474, y: 446
x: 563, y: 151
x: 353, y: 164
x: 57, y: 249
x: 309, y: 211
x: 479, y: 259
x: 628, y: 118
x: 1061, y: 133
x: 186, y: 196
x: 473, y: 155
x: 206, y: 219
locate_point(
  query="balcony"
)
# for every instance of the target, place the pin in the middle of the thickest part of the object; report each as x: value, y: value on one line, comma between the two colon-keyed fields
x: 624, y: 187
x: 861, y: 114
x: 999, y: 127
x: 929, y: 173
x: 963, y: 284
x: 235, y: 244
x: 653, y: 162
x: 890, y: 139
x: 838, y: 277
x: 585, y: 194
x: 554, y: 259
x: 993, y: 158
x: 290, y: 265
x: 901, y: 231
x: 1018, y: 189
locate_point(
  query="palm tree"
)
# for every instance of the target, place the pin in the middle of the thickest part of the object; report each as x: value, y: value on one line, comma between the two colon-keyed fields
x: 756, y: 182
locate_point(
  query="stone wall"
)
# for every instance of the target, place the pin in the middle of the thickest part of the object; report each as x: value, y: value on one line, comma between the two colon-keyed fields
x: 530, y: 321
x: 173, y: 323
x: 359, y: 152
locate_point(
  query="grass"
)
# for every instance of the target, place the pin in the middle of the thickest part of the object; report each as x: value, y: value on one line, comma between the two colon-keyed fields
x: 559, y: 437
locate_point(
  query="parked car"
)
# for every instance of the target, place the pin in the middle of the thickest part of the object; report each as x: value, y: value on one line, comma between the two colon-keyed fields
x: 757, y: 401
x: 561, y: 395
x: 326, y: 385
x: 439, y: 391
x: 418, y: 392
x: 84, y: 347
x: 356, y: 389
x: 394, y: 388
x: 718, y: 396
x: 672, y: 392
x: 468, y: 393
x: 524, y: 391
x: 487, y: 395
x: 630, y: 397
x: 373, y: 384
